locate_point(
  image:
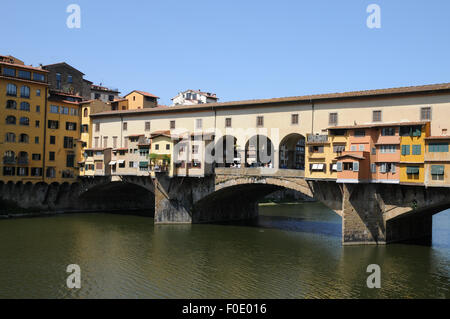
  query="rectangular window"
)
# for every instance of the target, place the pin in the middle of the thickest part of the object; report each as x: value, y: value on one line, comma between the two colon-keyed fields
x: 70, y: 160
x: 97, y: 127
x: 388, y: 149
x: 373, y: 168
x: 147, y: 126
x: 228, y: 122
x: 68, y: 142
x: 374, y: 151
x: 70, y: 126
x: 338, y: 148
x: 96, y: 139
x: 38, y: 109
x: 195, y: 149
x: 36, y: 140
x: 125, y: 126
x: 425, y: 114
x: 39, y: 77
x: 36, y: 171
x: 172, y: 125
x: 388, y: 131
x: 167, y: 147
x: 36, y: 157
x: 114, y: 141
x: 260, y: 121
x: 294, y: 119
x: 69, y: 79
x: 156, y: 147
x: 437, y: 172
x: 105, y: 141
x: 54, y: 109
x: 51, y: 156
x: 25, y: 75
x: 52, y: 140
x: 38, y: 92
x: 199, y: 123
x: 9, y: 171
x: 416, y: 149
x: 9, y: 72
x: 361, y: 147
x: 360, y: 133
x: 53, y: 124
x: 98, y: 165
x: 353, y: 148
x: 405, y: 149
x: 412, y: 170
x: 37, y: 124
x: 376, y: 116
x: 85, y: 128
x: 333, y: 119
x: 438, y: 148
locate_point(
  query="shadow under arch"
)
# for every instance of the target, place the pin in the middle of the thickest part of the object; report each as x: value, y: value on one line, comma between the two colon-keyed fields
x: 226, y: 151
x: 116, y: 196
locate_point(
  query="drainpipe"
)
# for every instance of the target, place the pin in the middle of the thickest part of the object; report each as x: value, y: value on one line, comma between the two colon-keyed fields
x: 45, y: 134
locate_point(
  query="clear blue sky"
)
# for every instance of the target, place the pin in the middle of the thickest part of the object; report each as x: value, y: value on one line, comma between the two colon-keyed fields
x: 235, y: 48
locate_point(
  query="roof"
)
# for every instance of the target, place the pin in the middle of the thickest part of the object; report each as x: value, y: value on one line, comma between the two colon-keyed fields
x: 349, y: 127
x: 423, y: 89
x: 143, y: 93
x: 208, y: 94
x: 20, y: 66
x: 103, y: 88
x: 65, y: 64
x: 136, y: 135
x: 352, y: 156
x: 437, y: 138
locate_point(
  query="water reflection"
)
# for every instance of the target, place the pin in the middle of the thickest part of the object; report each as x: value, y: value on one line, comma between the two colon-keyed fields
x: 291, y: 251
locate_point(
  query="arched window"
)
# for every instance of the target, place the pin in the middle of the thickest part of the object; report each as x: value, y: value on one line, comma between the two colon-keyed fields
x: 11, y: 89
x: 24, y: 138
x: 9, y: 157
x: 24, y: 106
x: 10, y: 137
x: 10, y: 119
x: 23, y: 158
x: 25, y: 91
x: 85, y: 113
x: 24, y: 121
x: 50, y: 172
x: 11, y: 104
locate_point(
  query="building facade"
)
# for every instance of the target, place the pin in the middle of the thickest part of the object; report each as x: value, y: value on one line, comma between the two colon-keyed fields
x: 192, y: 97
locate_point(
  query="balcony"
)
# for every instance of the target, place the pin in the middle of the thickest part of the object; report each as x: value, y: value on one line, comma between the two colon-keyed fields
x: 22, y: 161
x: 316, y: 138
x: 9, y: 160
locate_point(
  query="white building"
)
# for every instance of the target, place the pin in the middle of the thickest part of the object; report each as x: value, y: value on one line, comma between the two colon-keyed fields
x: 192, y: 97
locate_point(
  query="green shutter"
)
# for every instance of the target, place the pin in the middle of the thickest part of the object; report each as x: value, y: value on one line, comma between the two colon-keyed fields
x: 416, y: 149
x: 339, y: 166
x: 405, y: 149
x: 412, y: 170
x: 356, y: 166
x: 437, y: 169
x: 143, y: 164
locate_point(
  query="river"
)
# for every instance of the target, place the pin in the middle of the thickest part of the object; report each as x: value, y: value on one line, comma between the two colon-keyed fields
x: 292, y: 251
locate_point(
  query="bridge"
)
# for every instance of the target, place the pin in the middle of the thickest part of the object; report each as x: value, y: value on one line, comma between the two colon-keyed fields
x: 371, y: 213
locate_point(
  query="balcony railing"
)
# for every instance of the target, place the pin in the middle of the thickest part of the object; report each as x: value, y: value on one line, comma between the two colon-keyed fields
x: 317, y: 138
x: 9, y: 160
x: 22, y: 161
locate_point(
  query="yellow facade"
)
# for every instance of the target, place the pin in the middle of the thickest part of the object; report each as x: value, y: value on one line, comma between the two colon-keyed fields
x: 161, y: 155
x: 412, y: 156
x: 63, y: 152
x: 140, y: 100
x: 321, y: 150
x: 22, y: 122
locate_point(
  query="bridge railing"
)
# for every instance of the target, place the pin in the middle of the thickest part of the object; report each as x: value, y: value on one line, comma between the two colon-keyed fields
x: 260, y: 171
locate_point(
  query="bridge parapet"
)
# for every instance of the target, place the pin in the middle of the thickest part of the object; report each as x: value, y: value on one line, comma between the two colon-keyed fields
x: 261, y: 171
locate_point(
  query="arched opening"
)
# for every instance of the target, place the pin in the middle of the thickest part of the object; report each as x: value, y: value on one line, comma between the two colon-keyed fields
x: 120, y: 197
x: 226, y: 151
x: 292, y: 152
x: 259, y: 152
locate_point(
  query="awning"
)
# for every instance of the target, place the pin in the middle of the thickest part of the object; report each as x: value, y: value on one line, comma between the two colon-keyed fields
x: 121, y: 161
x: 412, y: 170
x: 317, y: 167
x: 143, y: 164
x: 112, y: 163
x: 437, y: 169
x: 334, y: 167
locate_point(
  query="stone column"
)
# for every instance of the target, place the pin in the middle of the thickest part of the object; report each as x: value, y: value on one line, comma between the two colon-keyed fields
x: 362, y: 215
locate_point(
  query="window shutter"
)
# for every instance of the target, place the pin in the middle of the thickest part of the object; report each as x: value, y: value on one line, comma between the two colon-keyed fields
x: 339, y: 166
x: 393, y: 168
x: 374, y: 168
x: 383, y: 168
x: 356, y: 166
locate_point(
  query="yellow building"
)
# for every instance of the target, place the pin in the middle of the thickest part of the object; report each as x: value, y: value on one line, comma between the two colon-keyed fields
x: 23, y: 91
x: 412, y: 156
x: 62, y: 152
x: 140, y: 100
x: 321, y: 153
x: 437, y: 161
x: 161, y: 153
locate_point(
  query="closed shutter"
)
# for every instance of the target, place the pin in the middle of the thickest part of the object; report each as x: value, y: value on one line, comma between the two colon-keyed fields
x: 356, y: 166
x: 374, y: 168
x: 393, y: 168
x: 339, y: 166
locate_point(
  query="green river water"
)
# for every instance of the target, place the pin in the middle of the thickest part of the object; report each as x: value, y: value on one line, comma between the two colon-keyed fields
x: 292, y: 251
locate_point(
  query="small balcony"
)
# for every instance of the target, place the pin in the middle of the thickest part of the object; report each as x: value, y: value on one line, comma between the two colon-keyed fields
x: 9, y: 160
x: 316, y: 139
